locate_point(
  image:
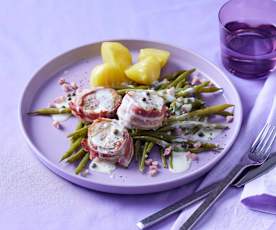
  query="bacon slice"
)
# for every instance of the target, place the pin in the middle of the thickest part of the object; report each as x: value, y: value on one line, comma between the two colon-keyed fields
x: 109, y: 140
x: 89, y: 105
x: 142, y: 110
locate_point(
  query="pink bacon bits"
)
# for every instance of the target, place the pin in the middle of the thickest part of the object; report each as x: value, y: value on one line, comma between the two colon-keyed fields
x: 59, y: 99
x: 168, y: 151
x: 148, y: 162
x: 155, y: 163
x: 229, y: 119
x: 109, y: 140
x: 195, y: 80
x: 67, y: 88
x: 142, y: 109
x: 153, y: 172
x: 61, y: 81
x: 89, y: 105
x: 191, y: 156
x: 74, y: 85
x: 56, y: 124
x: 197, y: 144
x: 153, y: 167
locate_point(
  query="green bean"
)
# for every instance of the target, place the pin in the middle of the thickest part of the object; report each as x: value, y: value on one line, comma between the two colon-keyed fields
x: 50, y: 111
x: 72, y: 149
x: 172, y: 76
x: 137, y: 148
x: 224, y: 113
x: 152, y: 139
x: 82, y: 163
x: 79, y: 126
x: 171, y: 160
x: 162, y: 86
x: 192, y: 90
x: 163, y: 158
x: 200, y: 149
x: 210, y: 110
x: 201, y: 112
x: 147, y: 148
x: 197, y: 104
x: 181, y: 77
x: 181, y: 84
x: 156, y: 134
x: 82, y: 132
x: 191, y: 124
x: 203, y: 148
x: 143, y: 157
x: 210, y: 90
x: 76, y: 156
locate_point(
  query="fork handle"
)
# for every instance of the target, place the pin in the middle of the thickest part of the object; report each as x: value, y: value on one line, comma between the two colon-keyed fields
x: 212, y: 197
x: 175, y: 207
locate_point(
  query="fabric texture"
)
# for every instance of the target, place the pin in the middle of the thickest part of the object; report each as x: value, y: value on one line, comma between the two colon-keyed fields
x: 33, y: 32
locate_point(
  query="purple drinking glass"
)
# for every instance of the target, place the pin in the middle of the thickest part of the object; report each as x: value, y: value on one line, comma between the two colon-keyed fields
x: 248, y: 37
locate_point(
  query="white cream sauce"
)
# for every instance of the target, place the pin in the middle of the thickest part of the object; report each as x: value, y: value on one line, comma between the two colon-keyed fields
x: 61, y: 117
x: 106, y: 100
x: 148, y: 100
x: 168, y: 94
x: 189, y: 90
x: 102, y: 166
x: 208, y: 134
x: 187, y: 107
x: 106, y: 135
x: 180, y: 162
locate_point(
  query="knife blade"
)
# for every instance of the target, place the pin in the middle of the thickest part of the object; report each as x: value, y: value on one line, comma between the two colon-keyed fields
x: 179, y: 205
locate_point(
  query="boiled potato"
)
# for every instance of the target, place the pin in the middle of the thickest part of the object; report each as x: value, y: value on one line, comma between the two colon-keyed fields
x: 161, y: 55
x: 145, y: 71
x: 107, y: 75
x: 116, y: 54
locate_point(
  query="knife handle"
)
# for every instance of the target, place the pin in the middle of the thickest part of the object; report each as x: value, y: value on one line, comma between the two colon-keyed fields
x: 175, y: 207
x: 212, y: 197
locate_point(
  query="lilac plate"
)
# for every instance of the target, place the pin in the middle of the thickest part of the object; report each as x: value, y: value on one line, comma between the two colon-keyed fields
x: 49, y: 143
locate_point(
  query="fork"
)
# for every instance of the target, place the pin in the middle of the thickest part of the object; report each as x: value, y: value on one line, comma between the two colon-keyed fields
x: 255, y: 156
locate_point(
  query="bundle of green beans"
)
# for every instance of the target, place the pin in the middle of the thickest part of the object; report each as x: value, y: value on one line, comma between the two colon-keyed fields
x: 76, y: 153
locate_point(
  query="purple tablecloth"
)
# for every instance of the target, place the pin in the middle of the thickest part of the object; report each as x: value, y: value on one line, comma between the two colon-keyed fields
x: 33, y: 32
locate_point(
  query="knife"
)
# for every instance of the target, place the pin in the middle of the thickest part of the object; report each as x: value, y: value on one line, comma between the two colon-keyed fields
x: 179, y: 205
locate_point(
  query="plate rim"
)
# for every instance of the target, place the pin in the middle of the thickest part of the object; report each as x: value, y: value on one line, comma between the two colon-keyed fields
x: 78, y: 179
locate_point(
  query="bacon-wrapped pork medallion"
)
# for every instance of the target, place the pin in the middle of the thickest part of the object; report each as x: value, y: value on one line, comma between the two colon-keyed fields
x: 109, y: 140
x: 142, y: 110
x: 89, y: 105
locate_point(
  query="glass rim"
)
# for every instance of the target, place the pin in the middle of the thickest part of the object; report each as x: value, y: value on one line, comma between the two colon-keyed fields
x: 220, y: 12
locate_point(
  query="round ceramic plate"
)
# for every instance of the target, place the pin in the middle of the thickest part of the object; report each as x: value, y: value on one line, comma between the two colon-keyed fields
x: 49, y: 143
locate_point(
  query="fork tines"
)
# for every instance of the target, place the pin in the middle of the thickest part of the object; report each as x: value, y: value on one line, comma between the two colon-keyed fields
x: 263, y: 142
